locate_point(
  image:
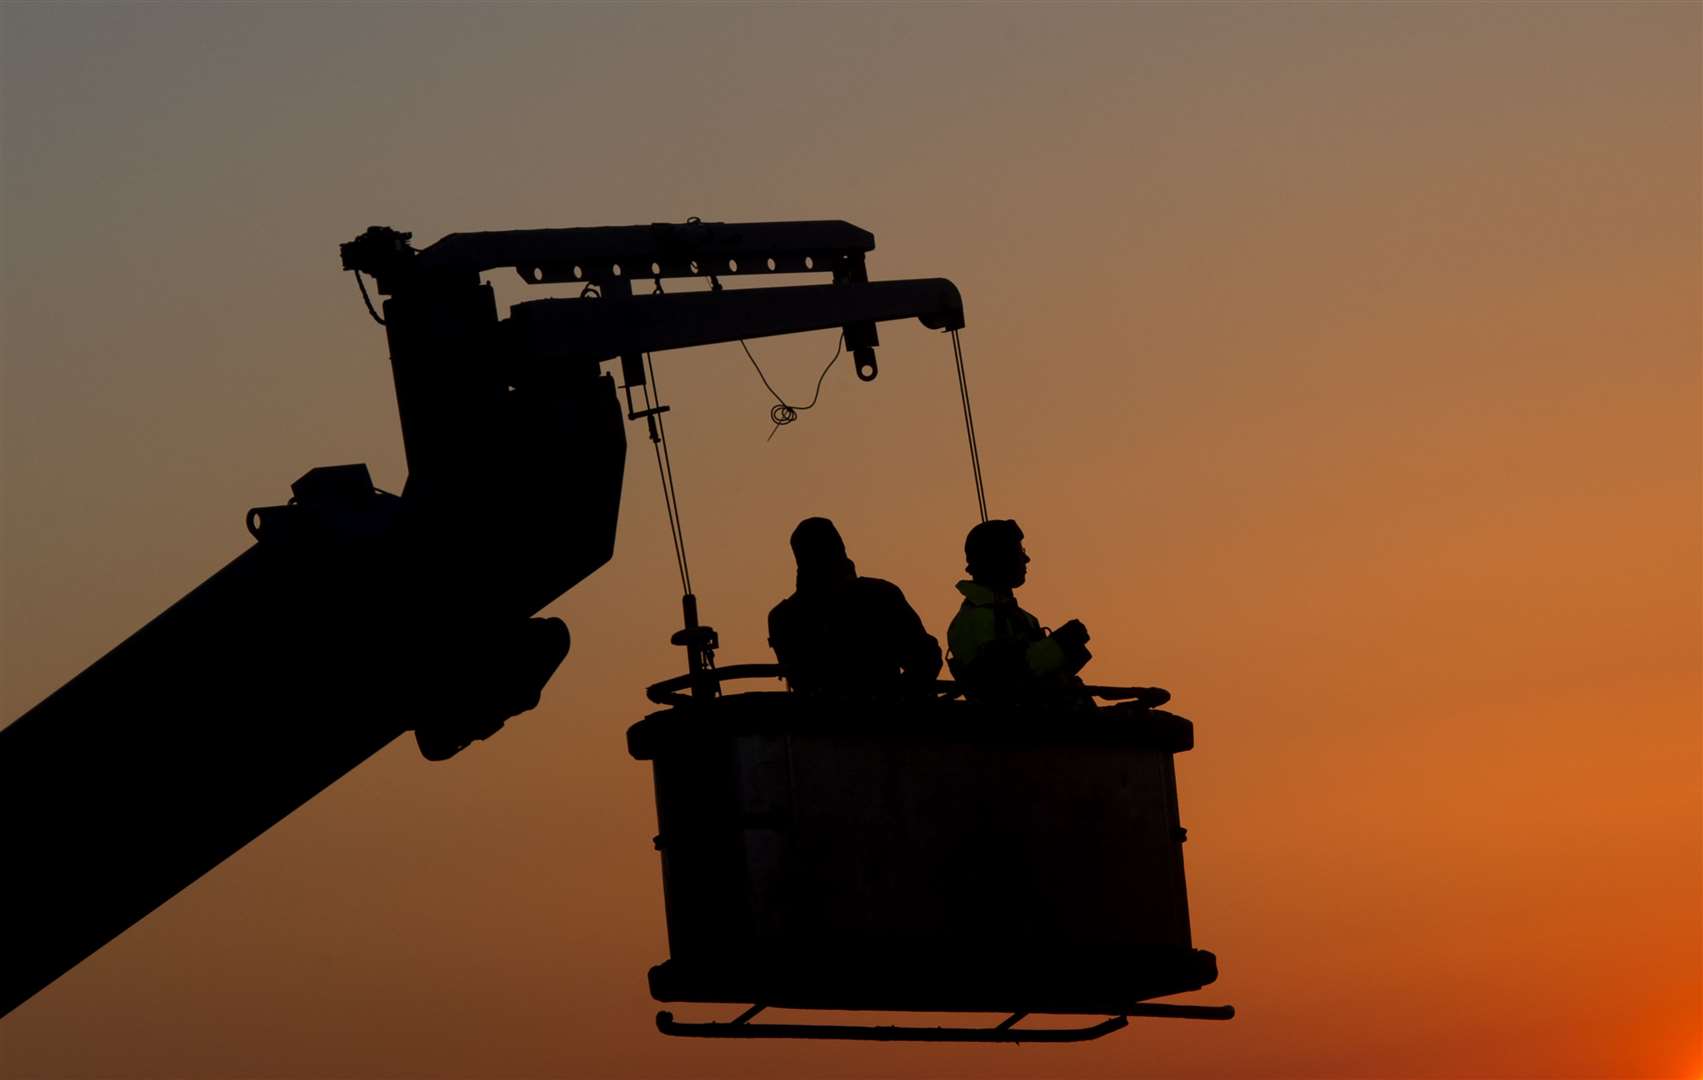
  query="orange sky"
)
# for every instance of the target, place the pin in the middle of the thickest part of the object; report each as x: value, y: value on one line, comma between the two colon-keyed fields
x: 1341, y: 362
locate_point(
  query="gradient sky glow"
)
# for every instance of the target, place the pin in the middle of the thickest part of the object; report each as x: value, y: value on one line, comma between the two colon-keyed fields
x: 1341, y: 362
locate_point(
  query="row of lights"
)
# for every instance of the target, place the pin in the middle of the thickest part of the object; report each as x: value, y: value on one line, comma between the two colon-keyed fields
x: 656, y: 268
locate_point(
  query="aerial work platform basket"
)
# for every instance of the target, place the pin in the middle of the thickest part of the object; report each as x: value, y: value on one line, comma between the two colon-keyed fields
x: 930, y: 856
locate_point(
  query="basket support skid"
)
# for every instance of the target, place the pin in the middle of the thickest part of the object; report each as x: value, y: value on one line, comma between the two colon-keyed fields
x: 1006, y: 1031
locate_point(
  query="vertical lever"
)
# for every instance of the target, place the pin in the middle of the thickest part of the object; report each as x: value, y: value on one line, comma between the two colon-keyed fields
x: 701, y: 643
x: 861, y: 337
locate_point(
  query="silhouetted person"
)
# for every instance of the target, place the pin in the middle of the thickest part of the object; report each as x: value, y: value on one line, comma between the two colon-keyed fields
x: 841, y: 635
x: 999, y: 652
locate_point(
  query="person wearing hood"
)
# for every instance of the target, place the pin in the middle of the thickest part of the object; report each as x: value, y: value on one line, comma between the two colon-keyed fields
x: 841, y: 635
x: 999, y: 652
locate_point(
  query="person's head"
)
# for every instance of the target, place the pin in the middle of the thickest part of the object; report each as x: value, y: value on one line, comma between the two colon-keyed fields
x: 994, y: 555
x: 820, y: 552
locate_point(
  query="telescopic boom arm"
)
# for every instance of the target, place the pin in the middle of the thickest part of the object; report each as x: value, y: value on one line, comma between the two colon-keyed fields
x: 357, y: 614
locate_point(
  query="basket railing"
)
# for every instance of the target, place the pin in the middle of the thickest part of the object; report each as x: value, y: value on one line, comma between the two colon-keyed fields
x: 678, y: 689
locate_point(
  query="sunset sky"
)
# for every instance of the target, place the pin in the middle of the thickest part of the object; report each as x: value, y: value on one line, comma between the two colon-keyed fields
x: 1341, y: 363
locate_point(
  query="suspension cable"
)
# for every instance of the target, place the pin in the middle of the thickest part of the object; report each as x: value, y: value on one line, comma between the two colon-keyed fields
x: 970, y: 426
x: 665, y: 473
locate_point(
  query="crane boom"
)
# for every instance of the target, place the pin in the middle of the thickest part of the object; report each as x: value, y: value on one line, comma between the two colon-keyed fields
x: 358, y: 615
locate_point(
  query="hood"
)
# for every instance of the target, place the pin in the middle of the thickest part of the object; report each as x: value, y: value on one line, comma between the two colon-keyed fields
x: 827, y: 578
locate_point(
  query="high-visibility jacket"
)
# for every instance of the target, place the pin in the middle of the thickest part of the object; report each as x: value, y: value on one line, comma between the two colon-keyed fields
x: 998, y: 651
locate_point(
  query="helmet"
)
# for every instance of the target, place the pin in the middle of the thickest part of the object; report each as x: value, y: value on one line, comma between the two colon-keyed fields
x: 991, y: 544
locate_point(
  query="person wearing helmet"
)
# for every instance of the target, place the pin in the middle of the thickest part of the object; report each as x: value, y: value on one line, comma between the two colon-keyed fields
x: 841, y: 635
x: 998, y: 652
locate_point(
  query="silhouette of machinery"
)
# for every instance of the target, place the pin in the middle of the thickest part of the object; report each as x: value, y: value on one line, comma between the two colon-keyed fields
x: 950, y: 857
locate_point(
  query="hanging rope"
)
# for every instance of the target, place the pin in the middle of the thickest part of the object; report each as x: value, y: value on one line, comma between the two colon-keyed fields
x: 665, y: 473
x: 970, y: 426
x: 781, y: 413
x: 377, y: 318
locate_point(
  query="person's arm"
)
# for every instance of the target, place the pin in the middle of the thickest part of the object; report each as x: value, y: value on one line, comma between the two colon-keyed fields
x: 781, y: 642
x: 982, y: 660
x: 1062, y: 652
x: 1045, y: 657
x: 919, y: 650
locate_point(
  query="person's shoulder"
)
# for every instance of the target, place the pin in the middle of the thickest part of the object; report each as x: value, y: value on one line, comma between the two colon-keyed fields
x: 970, y: 620
x: 878, y: 585
x: 881, y: 590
